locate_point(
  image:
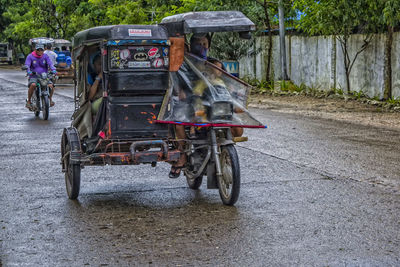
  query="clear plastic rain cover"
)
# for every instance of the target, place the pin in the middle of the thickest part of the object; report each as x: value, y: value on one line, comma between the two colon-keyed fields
x: 201, y: 94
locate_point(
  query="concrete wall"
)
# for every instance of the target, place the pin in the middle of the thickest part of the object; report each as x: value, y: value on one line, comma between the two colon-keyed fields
x: 318, y: 63
x: 396, y: 66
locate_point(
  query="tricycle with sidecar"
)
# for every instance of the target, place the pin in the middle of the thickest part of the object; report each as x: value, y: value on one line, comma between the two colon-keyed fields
x: 149, y: 86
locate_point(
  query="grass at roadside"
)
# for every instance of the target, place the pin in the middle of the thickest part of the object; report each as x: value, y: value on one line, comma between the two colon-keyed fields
x: 288, y: 88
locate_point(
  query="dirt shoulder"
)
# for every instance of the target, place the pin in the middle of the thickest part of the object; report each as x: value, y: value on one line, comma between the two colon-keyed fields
x: 10, y: 67
x: 364, y: 112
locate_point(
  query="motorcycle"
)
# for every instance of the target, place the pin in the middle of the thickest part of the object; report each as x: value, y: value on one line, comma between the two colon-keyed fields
x: 41, y: 97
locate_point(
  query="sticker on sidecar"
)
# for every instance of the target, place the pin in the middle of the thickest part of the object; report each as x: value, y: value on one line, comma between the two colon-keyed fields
x: 153, y: 52
x: 159, y: 62
x: 139, y: 32
x: 140, y: 56
x: 139, y: 64
x: 165, y: 51
x: 124, y: 54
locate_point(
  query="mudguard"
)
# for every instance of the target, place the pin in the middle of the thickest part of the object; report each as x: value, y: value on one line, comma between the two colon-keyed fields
x: 71, y: 135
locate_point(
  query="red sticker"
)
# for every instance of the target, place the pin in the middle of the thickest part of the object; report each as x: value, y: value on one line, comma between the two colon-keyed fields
x: 158, y: 63
x: 152, y: 52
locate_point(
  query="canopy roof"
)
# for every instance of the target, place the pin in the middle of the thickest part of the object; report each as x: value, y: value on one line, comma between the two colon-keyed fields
x: 208, y: 21
x: 62, y: 41
x: 41, y: 40
x: 120, y: 32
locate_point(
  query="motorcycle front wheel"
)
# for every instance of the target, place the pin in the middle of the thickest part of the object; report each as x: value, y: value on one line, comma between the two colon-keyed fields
x: 45, y: 107
x: 37, y: 103
x: 229, y: 181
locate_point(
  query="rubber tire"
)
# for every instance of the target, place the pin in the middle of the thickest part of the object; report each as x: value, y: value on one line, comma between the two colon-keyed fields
x: 45, y: 107
x: 229, y: 152
x: 72, y: 177
x: 194, y: 183
x: 37, y: 112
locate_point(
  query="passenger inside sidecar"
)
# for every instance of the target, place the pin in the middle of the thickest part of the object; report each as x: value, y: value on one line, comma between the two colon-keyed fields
x: 95, y: 79
x: 89, y: 91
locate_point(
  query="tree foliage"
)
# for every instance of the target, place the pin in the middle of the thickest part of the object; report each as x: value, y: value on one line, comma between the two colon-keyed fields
x: 22, y: 20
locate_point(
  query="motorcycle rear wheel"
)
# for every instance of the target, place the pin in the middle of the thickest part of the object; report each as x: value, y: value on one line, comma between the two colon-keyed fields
x: 229, y: 181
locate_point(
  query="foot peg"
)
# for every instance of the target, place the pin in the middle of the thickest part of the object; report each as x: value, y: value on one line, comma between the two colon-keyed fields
x: 240, y: 139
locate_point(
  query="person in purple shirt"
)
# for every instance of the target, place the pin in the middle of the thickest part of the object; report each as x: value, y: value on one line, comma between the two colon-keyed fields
x: 39, y: 63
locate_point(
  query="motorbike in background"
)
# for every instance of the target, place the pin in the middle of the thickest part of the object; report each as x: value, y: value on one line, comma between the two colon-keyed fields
x: 41, y: 97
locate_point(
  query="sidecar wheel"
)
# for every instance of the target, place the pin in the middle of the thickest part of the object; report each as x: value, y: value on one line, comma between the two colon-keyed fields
x: 72, y: 176
x: 229, y: 182
x: 70, y: 143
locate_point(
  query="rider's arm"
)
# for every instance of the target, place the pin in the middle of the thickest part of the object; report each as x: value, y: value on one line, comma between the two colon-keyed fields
x: 28, y: 63
x: 95, y: 86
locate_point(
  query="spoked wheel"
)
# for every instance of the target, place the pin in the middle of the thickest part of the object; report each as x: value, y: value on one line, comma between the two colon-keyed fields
x: 72, y: 170
x: 45, y: 107
x: 229, y: 182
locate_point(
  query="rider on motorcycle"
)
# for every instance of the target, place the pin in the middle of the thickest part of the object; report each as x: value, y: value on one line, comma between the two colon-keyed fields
x: 37, y: 62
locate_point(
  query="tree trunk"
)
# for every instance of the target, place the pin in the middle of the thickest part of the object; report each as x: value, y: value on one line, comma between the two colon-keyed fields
x: 346, y: 62
x: 333, y: 64
x: 269, y: 56
x: 349, y: 63
x: 387, y: 93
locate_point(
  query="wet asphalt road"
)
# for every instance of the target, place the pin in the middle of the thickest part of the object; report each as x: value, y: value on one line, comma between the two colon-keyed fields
x: 314, y: 192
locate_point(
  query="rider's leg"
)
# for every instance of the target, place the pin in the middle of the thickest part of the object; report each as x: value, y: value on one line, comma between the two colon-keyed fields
x: 237, y: 131
x: 51, y: 94
x: 31, y: 89
x: 181, y: 136
x: 177, y: 166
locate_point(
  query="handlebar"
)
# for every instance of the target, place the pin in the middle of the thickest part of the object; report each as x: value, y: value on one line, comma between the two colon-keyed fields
x: 50, y: 75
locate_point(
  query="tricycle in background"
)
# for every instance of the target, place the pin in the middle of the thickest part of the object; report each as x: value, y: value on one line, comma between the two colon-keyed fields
x: 64, y: 59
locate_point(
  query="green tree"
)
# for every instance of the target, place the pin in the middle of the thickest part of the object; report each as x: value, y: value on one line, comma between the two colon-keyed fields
x: 224, y: 45
x: 54, y: 16
x: 22, y: 26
